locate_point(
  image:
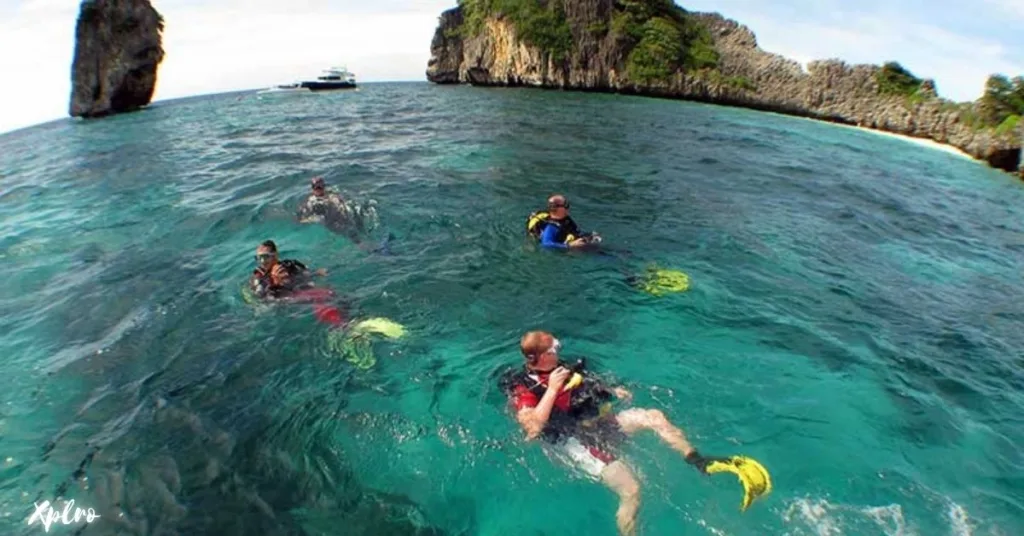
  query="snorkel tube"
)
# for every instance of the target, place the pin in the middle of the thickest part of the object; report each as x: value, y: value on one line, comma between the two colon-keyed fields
x: 577, y: 375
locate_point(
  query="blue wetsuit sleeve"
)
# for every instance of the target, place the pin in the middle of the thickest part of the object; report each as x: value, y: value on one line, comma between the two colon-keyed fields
x: 547, y: 238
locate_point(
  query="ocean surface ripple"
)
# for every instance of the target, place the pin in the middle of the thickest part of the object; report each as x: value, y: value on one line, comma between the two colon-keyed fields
x: 855, y: 321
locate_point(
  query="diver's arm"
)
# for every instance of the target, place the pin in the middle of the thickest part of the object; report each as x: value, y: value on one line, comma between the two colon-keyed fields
x: 303, y: 212
x: 533, y: 419
x: 547, y: 238
x: 256, y: 285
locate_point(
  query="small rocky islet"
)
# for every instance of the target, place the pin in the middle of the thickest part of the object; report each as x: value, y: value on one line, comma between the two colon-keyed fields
x: 117, y: 52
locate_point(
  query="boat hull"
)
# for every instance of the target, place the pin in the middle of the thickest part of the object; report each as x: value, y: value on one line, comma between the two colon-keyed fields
x: 328, y: 86
x: 284, y: 91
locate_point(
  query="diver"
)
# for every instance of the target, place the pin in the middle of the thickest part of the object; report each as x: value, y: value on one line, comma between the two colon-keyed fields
x: 571, y: 411
x: 339, y: 215
x: 554, y: 228
x: 276, y: 279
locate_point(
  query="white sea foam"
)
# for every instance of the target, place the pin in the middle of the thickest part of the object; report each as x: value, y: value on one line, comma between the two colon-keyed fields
x: 889, y: 518
x: 958, y: 520
x: 822, y: 518
x: 815, y: 513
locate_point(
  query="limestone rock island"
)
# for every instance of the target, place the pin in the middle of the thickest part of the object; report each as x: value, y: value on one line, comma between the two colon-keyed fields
x: 117, y: 51
x: 656, y: 48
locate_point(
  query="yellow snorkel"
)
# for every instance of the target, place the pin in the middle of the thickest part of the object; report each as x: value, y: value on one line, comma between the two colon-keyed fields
x: 752, y: 475
x: 577, y: 377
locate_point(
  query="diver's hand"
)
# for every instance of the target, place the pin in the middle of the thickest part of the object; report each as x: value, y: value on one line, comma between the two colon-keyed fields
x: 623, y: 393
x: 558, y: 378
x: 321, y: 272
x: 578, y: 243
x: 279, y: 275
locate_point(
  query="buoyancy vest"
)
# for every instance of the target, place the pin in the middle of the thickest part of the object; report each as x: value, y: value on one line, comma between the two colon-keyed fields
x: 567, y: 228
x: 263, y: 283
x: 585, y: 400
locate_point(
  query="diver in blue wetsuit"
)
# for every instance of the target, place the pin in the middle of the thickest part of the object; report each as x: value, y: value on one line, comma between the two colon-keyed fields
x: 554, y: 228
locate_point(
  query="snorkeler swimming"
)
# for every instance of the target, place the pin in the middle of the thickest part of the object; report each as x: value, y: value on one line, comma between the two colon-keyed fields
x: 274, y: 278
x: 554, y: 228
x: 571, y: 411
x: 339, y: 215
x: 290, y: 281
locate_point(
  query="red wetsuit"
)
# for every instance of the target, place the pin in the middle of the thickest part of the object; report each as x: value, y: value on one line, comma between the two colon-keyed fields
x: 527, y: 392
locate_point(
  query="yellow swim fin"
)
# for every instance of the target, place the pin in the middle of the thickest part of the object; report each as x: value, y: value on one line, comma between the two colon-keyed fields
x: 380, y: 326
x: 658, y: 281
x: 754, y: 477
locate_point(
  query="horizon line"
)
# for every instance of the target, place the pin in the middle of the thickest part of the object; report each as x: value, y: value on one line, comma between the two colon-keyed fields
x: 196, y: 96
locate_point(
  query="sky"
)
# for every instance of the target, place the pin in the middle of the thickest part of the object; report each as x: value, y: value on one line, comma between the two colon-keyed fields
x: 223, y: 45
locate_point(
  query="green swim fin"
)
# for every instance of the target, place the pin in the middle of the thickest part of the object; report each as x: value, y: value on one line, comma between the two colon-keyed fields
x: 658, y: 281
x: 356, y: 349
x: 355, y: 343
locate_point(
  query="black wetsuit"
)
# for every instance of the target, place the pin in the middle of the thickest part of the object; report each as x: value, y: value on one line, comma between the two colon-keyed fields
x: 576, y: 413
x: 263, y: 286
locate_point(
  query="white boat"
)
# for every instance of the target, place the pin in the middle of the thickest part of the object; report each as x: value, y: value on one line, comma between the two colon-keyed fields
x: 333, y: 78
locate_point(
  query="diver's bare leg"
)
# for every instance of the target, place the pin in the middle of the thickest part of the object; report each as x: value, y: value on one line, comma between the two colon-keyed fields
x: 618, y: 476
x: 635, y: 419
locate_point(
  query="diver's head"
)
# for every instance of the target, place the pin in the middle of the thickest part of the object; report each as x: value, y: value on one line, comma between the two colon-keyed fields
x: 319, y: 186
x: 540, y: 349
x: 558, y: 207
x: 266, y: 254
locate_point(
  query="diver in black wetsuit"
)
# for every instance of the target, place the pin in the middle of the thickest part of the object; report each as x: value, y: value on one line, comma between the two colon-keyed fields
x: 554, y: 228
x: 570, y: 410
x: 275, y: 278
x: 339, y: 215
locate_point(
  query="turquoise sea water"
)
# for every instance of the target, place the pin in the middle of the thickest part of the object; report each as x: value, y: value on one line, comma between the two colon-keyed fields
x: 855, y: 322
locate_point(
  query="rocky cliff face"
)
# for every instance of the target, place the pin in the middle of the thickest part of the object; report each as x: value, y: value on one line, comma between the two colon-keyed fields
x: 745, y: 76
x: 117, y: 51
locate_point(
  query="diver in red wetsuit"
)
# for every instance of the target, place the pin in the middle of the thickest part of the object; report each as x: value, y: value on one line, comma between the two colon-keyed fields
x: 290, y: 280
x: 570, y: 410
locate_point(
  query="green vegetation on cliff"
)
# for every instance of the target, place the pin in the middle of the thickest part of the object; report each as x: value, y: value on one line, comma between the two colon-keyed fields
x: 894, y: 79
x: 1002, y: 105
x: 664, y: 39
x: 716, y: 77
x: 540, y: 23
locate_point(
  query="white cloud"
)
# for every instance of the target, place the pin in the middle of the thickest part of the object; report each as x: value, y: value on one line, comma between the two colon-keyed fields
x: 1014, y: 8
